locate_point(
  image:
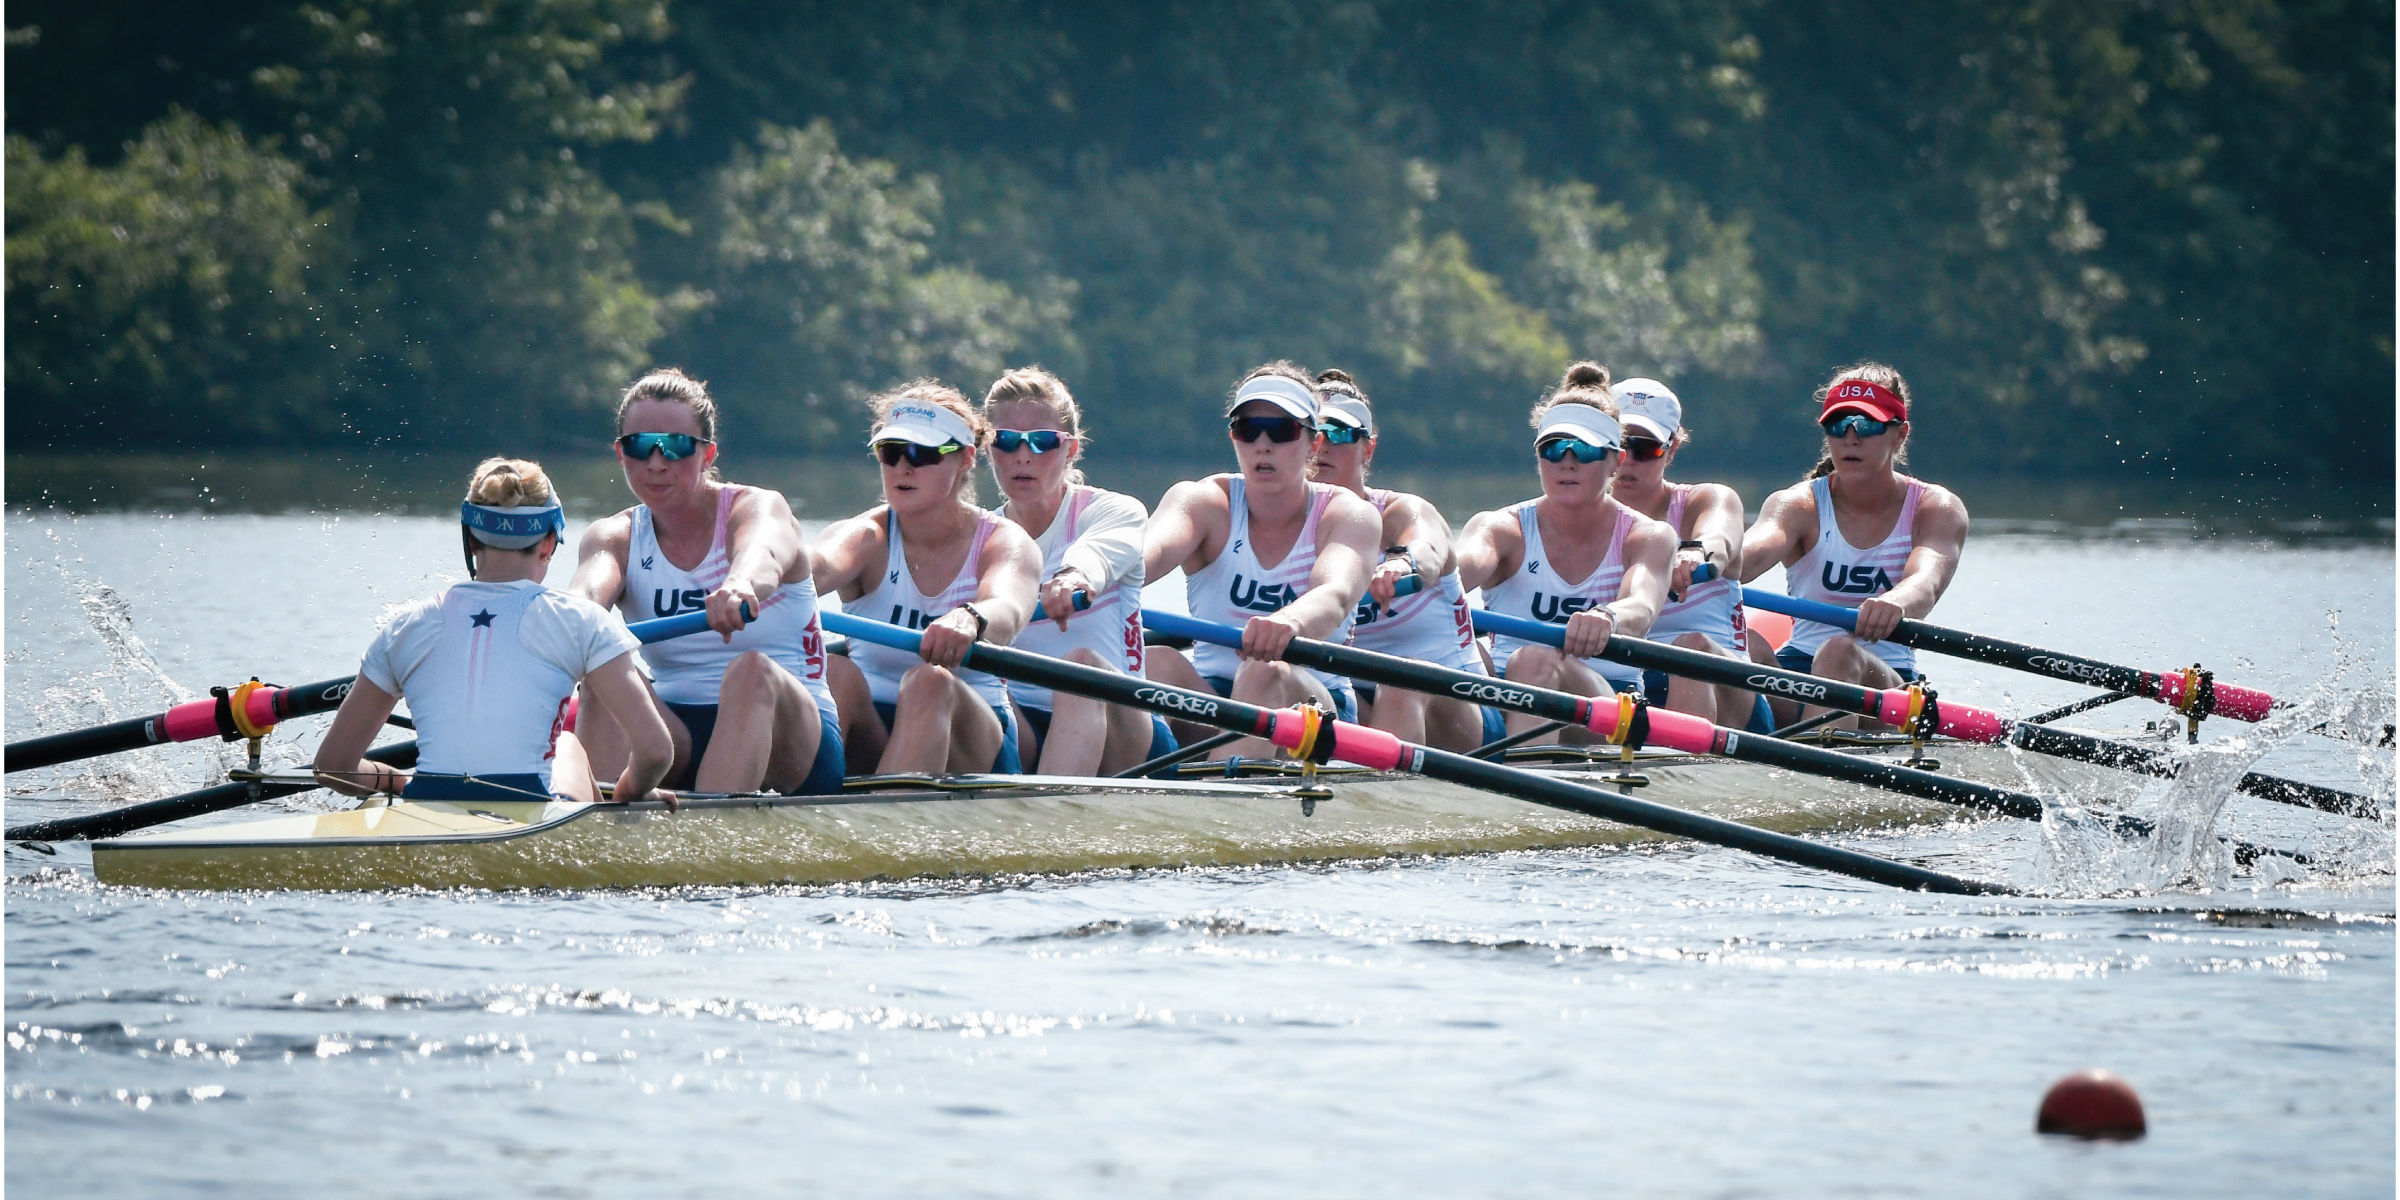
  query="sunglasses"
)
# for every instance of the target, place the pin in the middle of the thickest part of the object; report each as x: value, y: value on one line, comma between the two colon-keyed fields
x: 1278, y: 429
x: 1859, y: 423
x: 676, y: 446
x: 918, y: 456
x: 1642, y: 449
x: 1558, y: 448
x: 1341, y: 435
x: 1043, y: 441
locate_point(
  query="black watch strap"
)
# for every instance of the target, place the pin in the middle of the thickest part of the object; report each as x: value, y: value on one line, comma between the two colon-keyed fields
x: 981, y: 622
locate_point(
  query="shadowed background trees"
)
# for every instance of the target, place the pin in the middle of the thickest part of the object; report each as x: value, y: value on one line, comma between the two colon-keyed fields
x: 2097, y: 237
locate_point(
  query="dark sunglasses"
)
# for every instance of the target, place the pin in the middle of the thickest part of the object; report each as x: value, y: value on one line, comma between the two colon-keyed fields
x: 1865, y: 426
x: 1043, y: 441
x: 676, y: 446
x: 1341, y: 435
x: 1277, y: 429
x: 1641, y: 449
x: 918, y: 456
x: 1558, y: 448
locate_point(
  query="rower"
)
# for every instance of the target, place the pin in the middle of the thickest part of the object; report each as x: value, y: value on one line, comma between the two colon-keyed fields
x: 1432, y: 623
x: 488, y: 667
x: 749, y: 708
x: 929, y: 559
x: 1091, y: 546
x: 1707, y: 520
x: 1911, y: 531
x: 1224, y: 530
x: 1573, y: 556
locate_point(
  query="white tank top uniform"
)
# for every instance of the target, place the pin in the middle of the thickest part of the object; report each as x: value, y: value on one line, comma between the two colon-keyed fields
x: 897, y: 601
x: 689, y: 671
x: 1712, y: 608
x: 1833, y: 572
x: 1433, y: 625
x: 1100, y: 534
x: 487, y: 669
x: 1235, y: 588
x: 1537, y: 593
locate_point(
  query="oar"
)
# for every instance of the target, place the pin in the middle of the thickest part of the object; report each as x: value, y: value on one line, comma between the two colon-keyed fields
x: 1321, y: 740
x: 1666, y: 727
x: 175, y: 808
x: 2194, y: 693
x: 223, y: 715
x: 1892, y: 706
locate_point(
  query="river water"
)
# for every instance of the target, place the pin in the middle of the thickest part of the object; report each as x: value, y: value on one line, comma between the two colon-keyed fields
x: 1675, y: 1022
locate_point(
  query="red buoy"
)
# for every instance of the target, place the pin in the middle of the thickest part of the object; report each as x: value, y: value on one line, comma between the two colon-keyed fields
x: 2092, y: 1104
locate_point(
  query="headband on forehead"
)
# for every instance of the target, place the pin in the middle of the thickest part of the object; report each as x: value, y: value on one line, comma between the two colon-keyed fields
x: 512, y: 528
x: 924, y: 424
x: 1583, y: 421
x: 1868, y: 397
x: 1287, y: 394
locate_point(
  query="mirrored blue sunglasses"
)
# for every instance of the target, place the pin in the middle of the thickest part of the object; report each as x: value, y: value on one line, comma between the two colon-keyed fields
x: 1864, y: 425
x: 1341, y: 435
x: 1043, y: 441
x: 1558, y: 448
x: 676, y: 446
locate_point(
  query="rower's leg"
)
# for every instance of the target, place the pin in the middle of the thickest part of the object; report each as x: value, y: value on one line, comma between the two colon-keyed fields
x: 1080, y: 727
x: 941, y: 726
x: 1544, y: 667
x: 1271, y: 685
x: 1452, y: 724
x: 863, y: 734
x: 1785, y: 712
x: 1128, y: 739
x: 605, y: 746
x: 1842, y: 657
x: 571, y: 769
x: 767, y: 729
x: 1398, y: 712
x: 1690, y: 695
x: 1176, y: 670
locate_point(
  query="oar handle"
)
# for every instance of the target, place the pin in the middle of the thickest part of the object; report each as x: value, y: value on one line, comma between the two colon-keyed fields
x: 680, y: 625
x: 1700, y: 574
x: 1083, y: 600
x: 2166, y: 687
x: 1409, y: 585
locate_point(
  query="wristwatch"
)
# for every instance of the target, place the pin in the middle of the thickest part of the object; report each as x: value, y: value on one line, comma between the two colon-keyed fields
x: 1694, y: 544
x: 981, y: 622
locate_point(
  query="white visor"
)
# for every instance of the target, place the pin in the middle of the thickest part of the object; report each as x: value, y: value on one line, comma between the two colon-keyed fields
x: 1350, y: 411
x: 1581, y: 421
x: 924, y: 424
x: 1283, y: 393
x: 1647, y: 405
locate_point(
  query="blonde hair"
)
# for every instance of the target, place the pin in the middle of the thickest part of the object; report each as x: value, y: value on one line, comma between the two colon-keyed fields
x: 1035, y: 385
x: 509, y: 483
x: 1882, y: 376
x: 1585, y: 382
x: 934, y: 391
x: 671, y: 386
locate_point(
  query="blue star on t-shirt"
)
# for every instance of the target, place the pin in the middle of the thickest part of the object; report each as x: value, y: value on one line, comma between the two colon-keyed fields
x: 482, y: 619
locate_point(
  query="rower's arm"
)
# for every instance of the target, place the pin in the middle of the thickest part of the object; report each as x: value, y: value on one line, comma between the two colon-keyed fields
x: 1176, y: 531
x: 1348, y: 535
x: 341, y: 762
x: 1786, y: 527
x: 618, y: 689
x: 1941, y: 538
x: 1489, y: 550
x: 600, y: 561
x: 1649, y: 553
x: 1004, y: 587
x: 1717, y: 525
x: 1412, y: 523
x: 763, y: 549
x: 1110, y: 544
x: 841, y: 556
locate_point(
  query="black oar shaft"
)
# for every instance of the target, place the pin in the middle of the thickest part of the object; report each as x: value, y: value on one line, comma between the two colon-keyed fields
x: 133, y: 734
x: 175, y: 808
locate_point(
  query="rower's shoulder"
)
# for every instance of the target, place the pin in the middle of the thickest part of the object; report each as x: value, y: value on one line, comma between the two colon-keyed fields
x: 1716, y: 493
x: 1800, y: 497
x: 1114, y: 506
x: 612, y: 532
x: 1211, y: 492
x: 1941, y: 503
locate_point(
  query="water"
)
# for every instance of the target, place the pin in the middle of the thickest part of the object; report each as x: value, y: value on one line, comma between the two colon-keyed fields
x: 1677, y: 1022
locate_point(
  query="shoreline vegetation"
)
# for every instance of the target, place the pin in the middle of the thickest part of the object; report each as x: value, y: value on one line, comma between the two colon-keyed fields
x: 2112, y: 239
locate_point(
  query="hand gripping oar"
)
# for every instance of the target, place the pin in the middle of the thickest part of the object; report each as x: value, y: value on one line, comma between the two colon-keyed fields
x: 249, y: 710
x: 1899, y: 706
x: 175, y: 808
x: 2194, y: 693
x: 1319, y: 739
x: 1654, y: 726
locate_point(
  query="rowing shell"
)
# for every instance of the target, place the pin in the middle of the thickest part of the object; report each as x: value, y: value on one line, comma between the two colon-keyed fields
x: 962, y: 826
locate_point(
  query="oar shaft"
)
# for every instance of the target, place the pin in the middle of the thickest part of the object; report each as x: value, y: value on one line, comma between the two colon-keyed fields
x: 1374, y: 748
x: 94, y: 826
x: 2166, y: 687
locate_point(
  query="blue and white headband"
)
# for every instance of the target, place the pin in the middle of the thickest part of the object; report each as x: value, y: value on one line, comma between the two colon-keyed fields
x: 512, y: 528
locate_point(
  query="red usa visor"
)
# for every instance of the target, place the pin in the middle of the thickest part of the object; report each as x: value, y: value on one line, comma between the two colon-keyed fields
x: 1858, y: 395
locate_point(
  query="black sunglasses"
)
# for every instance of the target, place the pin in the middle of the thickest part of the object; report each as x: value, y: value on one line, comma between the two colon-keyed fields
x: 918, y: 456
x: 1277, y: 429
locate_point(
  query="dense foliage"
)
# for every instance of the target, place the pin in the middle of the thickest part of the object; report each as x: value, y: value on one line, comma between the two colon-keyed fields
x: 2092, y: 234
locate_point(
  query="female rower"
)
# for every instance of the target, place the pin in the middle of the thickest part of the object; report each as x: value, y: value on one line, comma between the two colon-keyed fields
x: 1573, y: 556
x: 1911, y: 533
x: 1091, y: 544
x: 1430, y: 625
x: 1225, y: 530
x: 1707, y: 521
x: 748, y: 708
x: 488, y: 666
x: 929, y: 559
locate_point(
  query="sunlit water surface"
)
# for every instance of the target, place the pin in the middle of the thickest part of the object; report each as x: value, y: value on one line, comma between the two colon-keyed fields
x: 1673, y: 1022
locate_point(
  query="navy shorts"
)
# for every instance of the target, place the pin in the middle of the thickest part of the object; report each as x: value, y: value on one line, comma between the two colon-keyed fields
x: 480, y: 787
x: 1345, y: 701
x: 1007, y: 763
x: 1162, y: 741
x: 824, y: 774
x: 1802, y: 661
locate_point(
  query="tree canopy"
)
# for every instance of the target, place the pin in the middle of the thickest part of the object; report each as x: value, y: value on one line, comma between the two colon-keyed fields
x: 2114, y: 235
